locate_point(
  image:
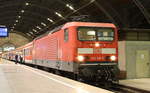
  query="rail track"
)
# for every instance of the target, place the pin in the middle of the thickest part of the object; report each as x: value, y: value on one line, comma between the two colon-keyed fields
x: 116, y: 88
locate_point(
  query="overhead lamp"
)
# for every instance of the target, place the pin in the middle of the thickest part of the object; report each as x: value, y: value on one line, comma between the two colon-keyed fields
x: 13, y: 27
x: 17, y: 21
x: 38, y: 27
x: 22, y: 11
x: 58, y: 14
x: 50, y: 20
x: 69, y: 6
x: 19, y: 16
x: 14, y: 24
x: 28, y: 34
x: 43, y: 24
x: 34, y: 30
x: 31, y: 33
x: 26, y: 4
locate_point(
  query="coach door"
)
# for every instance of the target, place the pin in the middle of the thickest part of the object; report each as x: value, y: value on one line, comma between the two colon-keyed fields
x: 142, y: 64
x: 23, y: 55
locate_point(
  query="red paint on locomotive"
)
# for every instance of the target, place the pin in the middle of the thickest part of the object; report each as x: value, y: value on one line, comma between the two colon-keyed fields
x: 76, y: 45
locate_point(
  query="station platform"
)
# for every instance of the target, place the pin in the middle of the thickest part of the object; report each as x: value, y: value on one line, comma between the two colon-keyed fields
x: 24, y: 79
x: 142, y: 83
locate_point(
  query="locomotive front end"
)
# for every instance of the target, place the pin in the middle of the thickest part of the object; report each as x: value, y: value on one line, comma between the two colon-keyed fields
x: 97, y: 53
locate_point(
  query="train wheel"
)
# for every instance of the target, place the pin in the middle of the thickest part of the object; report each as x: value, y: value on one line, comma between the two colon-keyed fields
x: 78, y: 78
x: 35, y: 66
x: 75, y: 76
x: 46, y: 69
x: 57, y: 72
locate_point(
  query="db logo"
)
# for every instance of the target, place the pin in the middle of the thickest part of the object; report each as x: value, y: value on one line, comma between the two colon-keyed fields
x: 97, y: 51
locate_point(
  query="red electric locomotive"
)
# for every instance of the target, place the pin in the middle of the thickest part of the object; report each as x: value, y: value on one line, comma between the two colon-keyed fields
x: 87, y: 50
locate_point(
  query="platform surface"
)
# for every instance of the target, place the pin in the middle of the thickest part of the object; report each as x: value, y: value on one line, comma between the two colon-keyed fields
x: 23, y: 79
x: 143, y: 83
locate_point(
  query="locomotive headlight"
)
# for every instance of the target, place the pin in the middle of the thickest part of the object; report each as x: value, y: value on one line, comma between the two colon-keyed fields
x: 97, y: 44
x: 113, y: 58
x: 80, y: 58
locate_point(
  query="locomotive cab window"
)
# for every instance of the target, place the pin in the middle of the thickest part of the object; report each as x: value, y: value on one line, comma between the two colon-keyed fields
x: 66, y: 35
x: 95, y: 34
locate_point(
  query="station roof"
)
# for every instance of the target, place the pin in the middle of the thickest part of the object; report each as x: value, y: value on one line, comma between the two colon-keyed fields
x: 35, y: 17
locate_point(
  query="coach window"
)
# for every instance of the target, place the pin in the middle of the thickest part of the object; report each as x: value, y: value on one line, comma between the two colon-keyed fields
x: 66, y: 35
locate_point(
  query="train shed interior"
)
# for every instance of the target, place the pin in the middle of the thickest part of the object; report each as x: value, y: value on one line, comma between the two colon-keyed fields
x: 27, y: 20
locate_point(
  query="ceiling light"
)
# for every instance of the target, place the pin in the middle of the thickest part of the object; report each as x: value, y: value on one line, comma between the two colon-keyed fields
x: 43, y: 24
x: 14, y: 24
x: 28, y: 34
x: 69, y: 6
x: 50, y: 20
x: 31, y: 33
x: 38, y: 27
x: 26, y: 4
x: 58, y: 14
x: 22, y: 11
x: 17, y: 21
x: 34, y: 30
x: 13, y: 27
x: 19, y: 16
